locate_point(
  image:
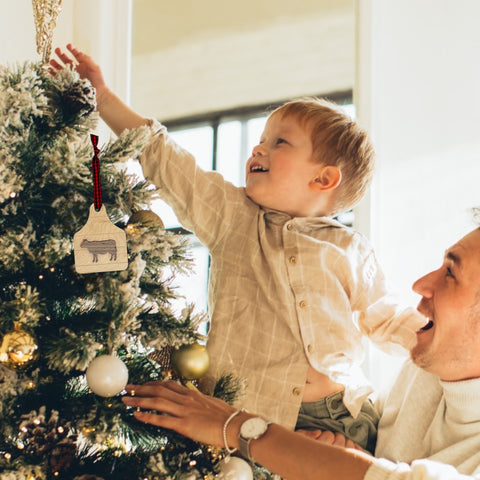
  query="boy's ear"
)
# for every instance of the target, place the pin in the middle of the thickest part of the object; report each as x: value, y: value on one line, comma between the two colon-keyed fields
x: 327, y: 178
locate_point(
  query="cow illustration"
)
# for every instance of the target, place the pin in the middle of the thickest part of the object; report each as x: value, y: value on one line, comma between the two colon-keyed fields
x: 100, y: 247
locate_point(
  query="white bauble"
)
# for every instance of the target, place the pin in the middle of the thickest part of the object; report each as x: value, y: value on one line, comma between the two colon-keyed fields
x: 235, y: 468
x: 107, y: 375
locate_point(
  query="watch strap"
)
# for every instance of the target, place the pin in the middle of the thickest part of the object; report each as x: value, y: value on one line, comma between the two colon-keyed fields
x: 244, y: 447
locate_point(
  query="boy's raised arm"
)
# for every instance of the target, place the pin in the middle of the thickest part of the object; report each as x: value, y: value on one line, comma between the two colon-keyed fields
x: 116, y: 114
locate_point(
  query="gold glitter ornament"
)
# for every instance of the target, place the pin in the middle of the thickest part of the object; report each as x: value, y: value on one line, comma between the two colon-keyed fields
x: 45, y: 13
x: 190, y: 362
x: 19, y: 349
x: 144, y: 218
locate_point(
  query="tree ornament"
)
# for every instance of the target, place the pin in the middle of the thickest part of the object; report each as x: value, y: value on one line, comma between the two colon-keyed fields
x: 107, y: 375
x: 19, y: 349
x: 144, y: 218
x: 235, y: 468
x: 45, y: 13
x: 99, y: 246
x: 190, y: 362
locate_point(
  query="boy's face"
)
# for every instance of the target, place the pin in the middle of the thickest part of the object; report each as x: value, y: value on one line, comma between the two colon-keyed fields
x: 281, y: 167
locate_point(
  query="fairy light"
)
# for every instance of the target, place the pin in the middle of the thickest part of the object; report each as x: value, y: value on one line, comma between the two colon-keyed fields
x: 13, y: 194
x: 8, y: 456
x: 60, y: 429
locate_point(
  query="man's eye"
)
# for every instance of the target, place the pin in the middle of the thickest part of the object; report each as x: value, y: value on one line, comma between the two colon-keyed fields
x: 449, y: 273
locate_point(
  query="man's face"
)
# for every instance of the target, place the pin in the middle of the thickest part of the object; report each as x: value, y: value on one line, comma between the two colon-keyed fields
x: 449, y: 345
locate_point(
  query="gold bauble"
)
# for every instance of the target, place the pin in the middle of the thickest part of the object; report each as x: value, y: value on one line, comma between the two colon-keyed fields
x: 145, y: 218
x: 19, y: 349
x: 190, y: 362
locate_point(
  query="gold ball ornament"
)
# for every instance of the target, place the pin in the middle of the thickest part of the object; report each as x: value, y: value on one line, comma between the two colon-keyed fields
x: 19, y: 349
x: 144, y: 218
x: 190, y: 362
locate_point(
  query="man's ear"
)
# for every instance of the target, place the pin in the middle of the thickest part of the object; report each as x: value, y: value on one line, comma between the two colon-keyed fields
x: 327, y: 178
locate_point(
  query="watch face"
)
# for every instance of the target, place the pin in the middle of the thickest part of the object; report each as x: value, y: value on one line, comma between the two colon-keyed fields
x: 253, y: 427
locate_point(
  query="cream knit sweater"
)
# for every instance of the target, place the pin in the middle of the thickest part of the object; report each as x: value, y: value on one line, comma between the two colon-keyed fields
x: 429, y: 429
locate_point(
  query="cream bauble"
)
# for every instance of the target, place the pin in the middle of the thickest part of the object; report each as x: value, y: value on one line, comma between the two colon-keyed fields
x: 107, y: 375
x: 235, y: 468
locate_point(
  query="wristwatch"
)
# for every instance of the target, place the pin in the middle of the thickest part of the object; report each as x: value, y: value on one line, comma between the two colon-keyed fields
x: 251, y: 429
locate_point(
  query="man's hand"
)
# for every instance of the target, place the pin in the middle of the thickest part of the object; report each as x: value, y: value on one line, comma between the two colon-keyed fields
x: 189, y: 412
x: 330, y: 438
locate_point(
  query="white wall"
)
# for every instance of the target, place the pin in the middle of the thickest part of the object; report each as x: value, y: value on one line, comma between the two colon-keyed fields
x: 209, y: 59
x: 17, y: 30
x: 101, y: 28
x: 418, y: 93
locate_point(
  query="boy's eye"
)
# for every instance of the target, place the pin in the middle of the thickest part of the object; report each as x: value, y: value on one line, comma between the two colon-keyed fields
x: 281, y: 140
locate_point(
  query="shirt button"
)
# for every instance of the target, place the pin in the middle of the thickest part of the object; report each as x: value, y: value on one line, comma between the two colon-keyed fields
x: 293, y: 260
x: 289, y: 226
x: 302, y: 304
x: 297, y: 391
x: 310, y: 348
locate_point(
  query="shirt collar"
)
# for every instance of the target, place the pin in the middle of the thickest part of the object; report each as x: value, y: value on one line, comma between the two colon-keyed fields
x: 303, y: 223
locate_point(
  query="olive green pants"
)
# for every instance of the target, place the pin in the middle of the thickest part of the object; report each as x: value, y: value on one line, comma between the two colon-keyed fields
x: 331, y: 414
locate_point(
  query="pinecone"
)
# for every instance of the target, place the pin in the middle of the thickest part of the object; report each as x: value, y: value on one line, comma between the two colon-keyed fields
x: 62, y: 456
x: 78, y: 100
x: 50, y: 438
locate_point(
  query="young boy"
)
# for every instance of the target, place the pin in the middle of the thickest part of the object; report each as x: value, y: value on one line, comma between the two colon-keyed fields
x: 285, y: 278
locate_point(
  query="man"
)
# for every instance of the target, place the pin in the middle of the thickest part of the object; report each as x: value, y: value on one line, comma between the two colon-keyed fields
x: 430, y: 421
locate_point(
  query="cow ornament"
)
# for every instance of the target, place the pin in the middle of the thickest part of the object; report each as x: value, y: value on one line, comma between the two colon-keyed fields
x: 100, y: 246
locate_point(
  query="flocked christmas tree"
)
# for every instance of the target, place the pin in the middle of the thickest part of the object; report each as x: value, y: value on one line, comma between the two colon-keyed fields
x: 66, y: 335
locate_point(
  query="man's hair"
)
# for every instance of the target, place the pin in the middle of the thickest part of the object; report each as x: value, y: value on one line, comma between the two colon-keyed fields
x: 336, y: 140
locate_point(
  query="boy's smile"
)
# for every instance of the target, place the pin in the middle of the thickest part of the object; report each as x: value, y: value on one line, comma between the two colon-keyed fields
x: 281, y: 168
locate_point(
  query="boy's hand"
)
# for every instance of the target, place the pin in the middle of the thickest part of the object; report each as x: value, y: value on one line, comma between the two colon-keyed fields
x: 83, y: 64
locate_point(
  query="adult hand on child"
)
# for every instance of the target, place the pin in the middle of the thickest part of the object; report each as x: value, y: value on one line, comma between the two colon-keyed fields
x: 330, y: 438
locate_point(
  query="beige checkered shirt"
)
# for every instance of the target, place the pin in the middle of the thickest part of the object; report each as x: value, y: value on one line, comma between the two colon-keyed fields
x: 283, y: 291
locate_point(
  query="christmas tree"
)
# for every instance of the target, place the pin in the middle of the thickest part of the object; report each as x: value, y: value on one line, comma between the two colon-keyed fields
x: 60, y: 417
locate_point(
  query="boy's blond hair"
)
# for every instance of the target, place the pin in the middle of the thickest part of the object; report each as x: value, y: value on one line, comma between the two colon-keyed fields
x: 336, y: 140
